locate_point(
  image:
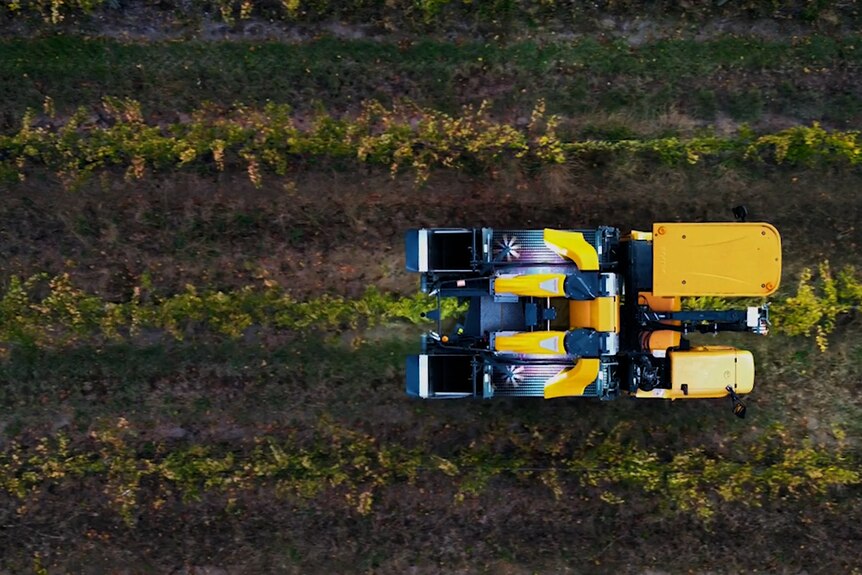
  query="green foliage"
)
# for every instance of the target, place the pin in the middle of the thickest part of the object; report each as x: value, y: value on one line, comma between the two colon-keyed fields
x: 405, y: 136
x: 806, y: 146
x: 51, y: 11
x: 340, y: 73
x: 60, y: 316
x: 42, y: 311
x: 813, y: 310
x: 333, y: 461
x: 818, y: 303
x: 716, y: 303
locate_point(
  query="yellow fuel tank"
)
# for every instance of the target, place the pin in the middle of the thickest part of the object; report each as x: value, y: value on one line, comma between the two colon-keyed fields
x: 706, y: 371
x: 717, y: 259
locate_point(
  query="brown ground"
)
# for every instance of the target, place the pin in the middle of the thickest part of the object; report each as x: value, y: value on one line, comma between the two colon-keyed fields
x: 142, y: 21
x: 336, y: 233
x: 513, y: 530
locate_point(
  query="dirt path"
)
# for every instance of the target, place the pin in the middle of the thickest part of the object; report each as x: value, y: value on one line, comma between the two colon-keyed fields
x: 339, y: 234
x: 142, y: 22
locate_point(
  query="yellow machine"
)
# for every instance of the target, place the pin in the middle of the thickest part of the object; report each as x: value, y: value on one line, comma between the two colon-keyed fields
x: 730, y: 260
x: 592, y: 313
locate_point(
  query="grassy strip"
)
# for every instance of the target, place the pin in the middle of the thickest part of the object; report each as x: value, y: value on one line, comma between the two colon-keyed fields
x: 43, y: 311
x: 63, y: 314
x: 805, y: 78
x: 333, y: 460
x: 402, y: 137
x: 425, y: 13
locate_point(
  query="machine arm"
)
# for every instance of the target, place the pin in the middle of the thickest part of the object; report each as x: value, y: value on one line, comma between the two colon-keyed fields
x: 752, y: 319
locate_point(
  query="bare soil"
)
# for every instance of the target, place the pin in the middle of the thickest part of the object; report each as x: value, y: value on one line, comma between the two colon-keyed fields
x: 146, y: 22
x: 336, y: 233
x: 511, y: 530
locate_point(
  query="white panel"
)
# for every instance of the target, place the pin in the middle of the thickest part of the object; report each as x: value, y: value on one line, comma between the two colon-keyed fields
x: 423, y: 376
x: 612, y: 341
x: 753, y: 317
x: 611, y: 285
x: 551, y: 344
x: 423, y: 250
x: 552, y: 285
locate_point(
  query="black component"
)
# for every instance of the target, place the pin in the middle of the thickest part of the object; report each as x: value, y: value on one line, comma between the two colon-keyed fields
x: 451, y: 250
x: 457, y: 331
x: 581, y: 286
x: 433, y: 315
x: 684, y: 388
x: 462, y: 287
x: 740, y: 213
x: 702, y: 321
x: 448, y: 374
x: 451, y: 373
x: 485, y: 315
x: 738, y: 407
x: 584, y: 343
x: 531, y: 314
x: 640, y: 266
x: 646, y: 374
x: 549, y: 314
x: 636, y: 256
x: 610, y: 246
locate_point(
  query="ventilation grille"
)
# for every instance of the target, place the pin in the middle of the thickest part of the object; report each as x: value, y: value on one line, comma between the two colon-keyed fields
x: 527, y: 247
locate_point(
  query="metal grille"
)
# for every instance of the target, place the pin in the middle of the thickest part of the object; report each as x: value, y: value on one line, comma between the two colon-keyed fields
x: 527, y: 247
x: 591, y: 390
x: 528, y: 380
x: 522, y: 380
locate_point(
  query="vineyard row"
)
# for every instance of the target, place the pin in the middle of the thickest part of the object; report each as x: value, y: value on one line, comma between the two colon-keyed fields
x: 46, y: 312
x: 354, y: 466
x: 403, y: 137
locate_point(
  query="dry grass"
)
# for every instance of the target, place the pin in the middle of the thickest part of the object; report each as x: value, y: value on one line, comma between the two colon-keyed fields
x: 658, y: 124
